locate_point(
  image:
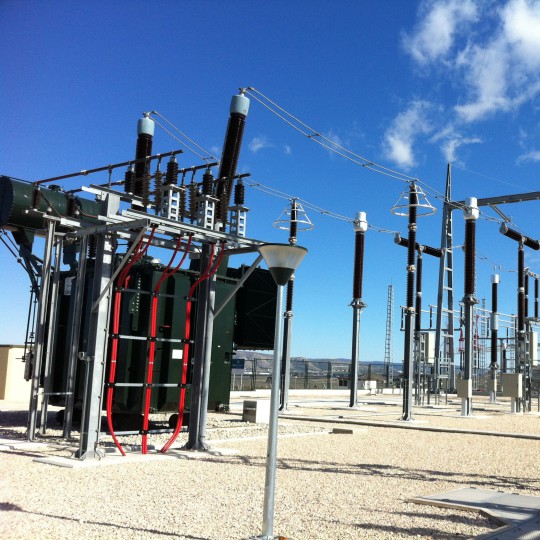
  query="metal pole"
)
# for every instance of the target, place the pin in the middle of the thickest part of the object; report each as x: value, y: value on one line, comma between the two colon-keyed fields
x: 201, y: 443
x: 51, y: 336
x: 198, y: 357
x: 41, y: 329
x: 469, y: 300
x: 409, y: 311
x: 74, y: 337
x: 96, y: 354
x: 271, y: 453
x: 360, y: 227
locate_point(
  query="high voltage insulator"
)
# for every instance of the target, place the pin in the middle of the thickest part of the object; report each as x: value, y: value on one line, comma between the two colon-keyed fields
x: 129, y: 180
x: 231, y: 147
x: 92, y: 246
x: 518, y: 237
x: 145, y: 189
x: 158, y: 194
x: 222, y: 208
x: 171, y: 176
x: 239, y: 193
x: 192, y: 200
x: 207, y: 183
x: 182, y: 206
x: 145, y: 134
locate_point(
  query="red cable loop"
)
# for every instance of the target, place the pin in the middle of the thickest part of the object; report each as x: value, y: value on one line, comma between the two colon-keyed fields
x: 210, y: 270
x: 167, y: 273
x: 122, y: 283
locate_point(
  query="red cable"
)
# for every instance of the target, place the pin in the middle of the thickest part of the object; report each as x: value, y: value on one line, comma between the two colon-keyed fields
x: 208, y: 273
x: 167, y: 273
x: 121, y: 284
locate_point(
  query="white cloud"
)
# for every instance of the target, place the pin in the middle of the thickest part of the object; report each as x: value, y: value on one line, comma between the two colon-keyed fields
x: 287, y: 149
x: 492, y: 55
x: 435, y: 33
x: 529, y: 156
x: 402, y: 133
x: 259, y: 143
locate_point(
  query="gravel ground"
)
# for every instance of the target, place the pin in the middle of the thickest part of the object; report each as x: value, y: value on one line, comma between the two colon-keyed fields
x: 329, y: 486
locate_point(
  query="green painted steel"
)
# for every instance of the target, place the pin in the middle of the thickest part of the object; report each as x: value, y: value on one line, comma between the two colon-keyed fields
x: 16, y: 197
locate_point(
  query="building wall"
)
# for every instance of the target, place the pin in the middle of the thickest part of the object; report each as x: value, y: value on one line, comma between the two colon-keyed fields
x: 13, y: 387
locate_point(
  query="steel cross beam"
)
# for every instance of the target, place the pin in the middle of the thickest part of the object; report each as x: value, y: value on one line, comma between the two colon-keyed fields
x: 504, y: 199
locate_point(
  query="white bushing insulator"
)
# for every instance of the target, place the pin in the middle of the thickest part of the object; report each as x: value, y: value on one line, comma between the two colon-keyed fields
x: 146, y: 126
x: 495, y: 278
x: 471, y: 211
x: 240, y: 104
x: 360, y: 223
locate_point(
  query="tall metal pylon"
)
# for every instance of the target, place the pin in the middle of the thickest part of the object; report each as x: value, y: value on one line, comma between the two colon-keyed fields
x: 444, y: 333
x: 388, y: 341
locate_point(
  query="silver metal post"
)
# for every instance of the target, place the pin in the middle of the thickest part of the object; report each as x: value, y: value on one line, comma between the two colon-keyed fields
x: 41, y: 328
x: 51, y: 336
x: 96, y: 354
x: 73, y: 344
x: 271, y: 453
x: 202, y: 445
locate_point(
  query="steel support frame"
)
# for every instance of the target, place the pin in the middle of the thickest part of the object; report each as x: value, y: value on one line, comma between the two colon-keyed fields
x: 43, y: 310
x: 97, y: 353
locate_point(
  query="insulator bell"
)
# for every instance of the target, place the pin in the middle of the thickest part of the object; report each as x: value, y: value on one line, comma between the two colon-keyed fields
x: 129, y: 181
x: 182, y: 203
x: 192, y: 201
x: 239, y: 193
x: 208, y: 183
x: 171, y: 176
x: 222, y: 208
x: 158, y: 193
x: 92, y: 246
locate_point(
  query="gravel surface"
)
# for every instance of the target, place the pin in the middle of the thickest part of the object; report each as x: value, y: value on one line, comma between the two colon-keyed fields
x: 329, y: 486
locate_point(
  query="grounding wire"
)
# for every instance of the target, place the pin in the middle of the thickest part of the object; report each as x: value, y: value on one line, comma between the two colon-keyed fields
x: 181, y: 142
x: 210, y: 156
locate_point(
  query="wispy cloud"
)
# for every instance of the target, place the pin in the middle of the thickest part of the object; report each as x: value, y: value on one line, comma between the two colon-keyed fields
x: 259, y: 143
x: 500, y: 69
x: 529, y: 156
x: 287, y: 149
x: 434, y: 35
x: 450, y: 140
x: 400, y: 136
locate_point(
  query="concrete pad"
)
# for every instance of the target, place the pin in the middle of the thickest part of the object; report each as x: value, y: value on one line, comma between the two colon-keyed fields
x: 520, y: 514
x: 17, y: 444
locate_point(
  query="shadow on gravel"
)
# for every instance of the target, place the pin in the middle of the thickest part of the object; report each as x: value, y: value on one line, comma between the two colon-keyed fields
x: 369, y: 469
x: 9, y: 507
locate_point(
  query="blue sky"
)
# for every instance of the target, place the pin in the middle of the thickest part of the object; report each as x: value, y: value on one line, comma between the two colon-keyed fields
x: 408, y: 85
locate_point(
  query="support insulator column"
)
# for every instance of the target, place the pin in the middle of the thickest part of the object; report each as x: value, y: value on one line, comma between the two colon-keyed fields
x: 360, y: 227
x: 409, y: 311
x: 471, y: 214
x: 494, y: 337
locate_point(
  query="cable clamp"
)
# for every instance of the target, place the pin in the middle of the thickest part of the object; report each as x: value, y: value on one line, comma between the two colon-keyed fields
x: 411, y: 268
x: 190, y: 298
x: 152, y: 339
x: 189, y: 341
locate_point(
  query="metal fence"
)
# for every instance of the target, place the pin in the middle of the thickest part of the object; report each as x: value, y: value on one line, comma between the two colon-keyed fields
x: 305, y: 374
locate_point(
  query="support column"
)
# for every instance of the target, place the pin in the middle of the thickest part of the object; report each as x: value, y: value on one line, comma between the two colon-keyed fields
x: 494, y: 338
x: 409, y: 310
x: 43, y: 306
x: 97, y: 352
x: 471, y: 214
x: 360, y: 227
x: 203, y: 298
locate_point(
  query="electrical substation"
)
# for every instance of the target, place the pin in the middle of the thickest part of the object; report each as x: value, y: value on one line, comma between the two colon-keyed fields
x: 113, y: 329
x: 138, y: 308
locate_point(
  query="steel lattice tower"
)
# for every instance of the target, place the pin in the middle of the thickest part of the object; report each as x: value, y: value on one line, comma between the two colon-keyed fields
x: 388, y: 342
